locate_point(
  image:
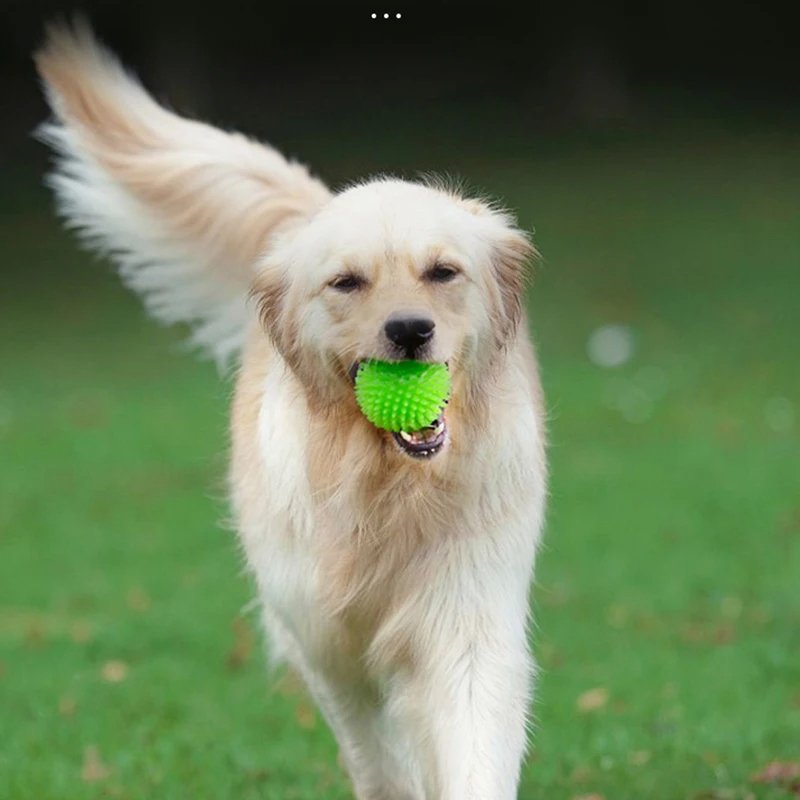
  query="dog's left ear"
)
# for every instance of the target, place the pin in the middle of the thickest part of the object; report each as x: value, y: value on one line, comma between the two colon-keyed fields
x: 512, y: 255
x: 511, y: 251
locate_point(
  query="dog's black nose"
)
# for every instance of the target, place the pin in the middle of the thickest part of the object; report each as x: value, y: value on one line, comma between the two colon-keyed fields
x: 409, y: 333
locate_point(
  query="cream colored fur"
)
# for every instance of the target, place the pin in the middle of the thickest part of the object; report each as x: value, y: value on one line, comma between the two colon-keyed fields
x: 397, y: 587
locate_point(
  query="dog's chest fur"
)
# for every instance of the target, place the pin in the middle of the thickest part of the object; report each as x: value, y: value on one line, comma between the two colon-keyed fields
x: 340, y: 530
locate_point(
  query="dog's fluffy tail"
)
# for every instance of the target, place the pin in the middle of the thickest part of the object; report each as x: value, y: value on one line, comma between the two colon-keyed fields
x: 183, y: 208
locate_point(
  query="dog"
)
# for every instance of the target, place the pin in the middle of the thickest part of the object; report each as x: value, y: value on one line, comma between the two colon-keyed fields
x: 393, y: 569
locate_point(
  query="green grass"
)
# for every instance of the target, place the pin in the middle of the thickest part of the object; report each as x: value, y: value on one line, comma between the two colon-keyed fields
x: 670, y: 576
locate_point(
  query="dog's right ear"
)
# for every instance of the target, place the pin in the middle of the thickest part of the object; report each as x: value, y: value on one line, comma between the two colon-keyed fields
x: 278, y: 312
x: 269, y: 292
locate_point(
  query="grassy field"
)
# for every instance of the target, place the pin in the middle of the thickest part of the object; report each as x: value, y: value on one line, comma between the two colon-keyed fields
x: 668, y: 592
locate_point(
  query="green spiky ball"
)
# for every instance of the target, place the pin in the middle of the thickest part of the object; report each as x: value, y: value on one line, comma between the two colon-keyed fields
x: 402, y: 395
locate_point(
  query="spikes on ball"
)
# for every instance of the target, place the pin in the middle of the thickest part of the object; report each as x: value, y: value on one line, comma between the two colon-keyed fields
x: 402, y: 395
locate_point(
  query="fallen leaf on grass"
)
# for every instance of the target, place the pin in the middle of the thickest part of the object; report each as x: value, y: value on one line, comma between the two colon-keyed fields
x: 588, y: 797
x: 777, y: 772
x: 67, y: 706
x: 80, y: 631
x: 258, y: 775
x: 790, y: 522
x: 114, y: 671
x: 592, y: 700
x: 785, y: 774
x: 138, y: 600
x: 35, y: 633
x: 86, y: 411
x: 760, y: 615
x: 306, y: 716
x: 639, y: 757
x: 289, y: 683
x: 243, y: 643
x: 708, y: 634
x: 581, y: 774
x: 93, y: 768
x: 647, y: 622
x: 549, y: 656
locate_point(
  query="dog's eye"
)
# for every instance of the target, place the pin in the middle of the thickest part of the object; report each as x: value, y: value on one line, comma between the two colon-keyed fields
x: 440, y: 273
x: 347, y: 283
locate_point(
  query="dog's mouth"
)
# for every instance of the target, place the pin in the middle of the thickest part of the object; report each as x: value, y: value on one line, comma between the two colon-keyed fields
x: 424, y: 443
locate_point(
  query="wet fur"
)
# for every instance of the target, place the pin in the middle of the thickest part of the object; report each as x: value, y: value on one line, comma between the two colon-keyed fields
x: 397, y: 588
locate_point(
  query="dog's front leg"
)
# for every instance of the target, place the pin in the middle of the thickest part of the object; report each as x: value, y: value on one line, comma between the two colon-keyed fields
x: 477, y: 720
x: 465, y: 701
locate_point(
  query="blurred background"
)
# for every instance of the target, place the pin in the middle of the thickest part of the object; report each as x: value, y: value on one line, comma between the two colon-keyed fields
x: 655, y: 151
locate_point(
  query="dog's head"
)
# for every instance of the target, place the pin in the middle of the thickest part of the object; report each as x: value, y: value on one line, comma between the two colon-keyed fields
x: 393, y: 270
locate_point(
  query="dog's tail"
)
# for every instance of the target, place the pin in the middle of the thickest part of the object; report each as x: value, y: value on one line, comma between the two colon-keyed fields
x: 183, y: 208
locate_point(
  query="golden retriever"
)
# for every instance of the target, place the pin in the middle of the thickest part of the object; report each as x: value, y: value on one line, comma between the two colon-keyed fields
x: 393, y: 569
